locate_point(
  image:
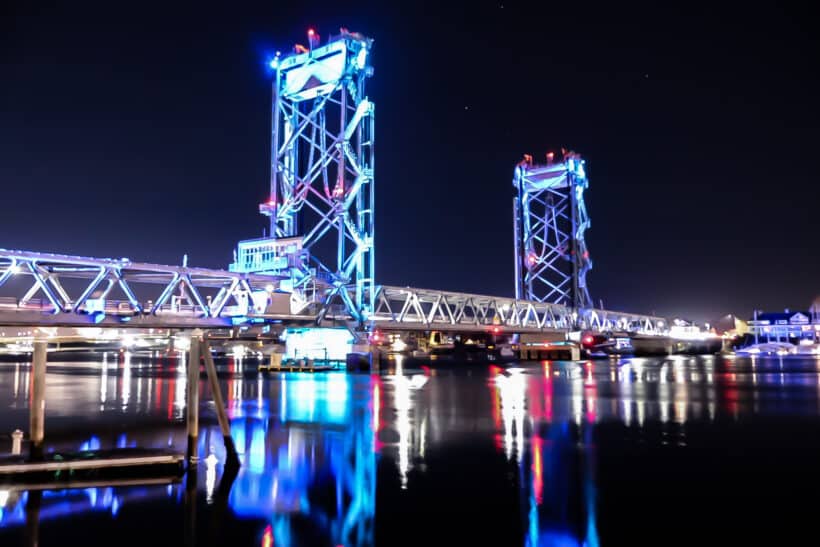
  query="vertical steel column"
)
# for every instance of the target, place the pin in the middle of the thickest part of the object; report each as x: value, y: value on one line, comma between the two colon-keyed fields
x: 274, y: 155
x: 340, y: 179
x: 371, y: 221
x: 519, y: 293
x: 37, y: 404
x: 192, y: 406
x: 575, y: 297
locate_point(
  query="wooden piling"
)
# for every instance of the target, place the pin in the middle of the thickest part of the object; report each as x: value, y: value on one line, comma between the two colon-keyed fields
x: 37, y: 406
x: 192, y: 401
x: 231, y: 457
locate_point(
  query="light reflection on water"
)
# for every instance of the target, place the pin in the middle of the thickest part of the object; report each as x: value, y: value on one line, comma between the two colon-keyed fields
x: 310, y: 444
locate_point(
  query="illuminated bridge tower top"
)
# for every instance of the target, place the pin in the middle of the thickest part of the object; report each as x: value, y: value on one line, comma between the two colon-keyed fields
x: 550, y: 218
x: 322, y: 156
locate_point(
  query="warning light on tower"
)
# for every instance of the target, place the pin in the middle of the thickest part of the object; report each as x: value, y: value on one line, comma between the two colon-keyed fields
x: 313, y: 38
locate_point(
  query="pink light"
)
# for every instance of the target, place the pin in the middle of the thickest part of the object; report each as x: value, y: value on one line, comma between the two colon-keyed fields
x: 267, y: 536
x: 311, y: 32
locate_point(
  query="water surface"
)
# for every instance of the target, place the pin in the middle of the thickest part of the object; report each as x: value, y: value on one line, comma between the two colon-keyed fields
x: 633, y: 451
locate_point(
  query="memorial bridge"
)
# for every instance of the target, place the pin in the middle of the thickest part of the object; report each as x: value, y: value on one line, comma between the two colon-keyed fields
x: 317, y: 268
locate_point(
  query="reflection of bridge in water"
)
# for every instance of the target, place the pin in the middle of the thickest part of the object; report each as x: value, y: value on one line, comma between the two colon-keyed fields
x: 310, y: 443
x: 306, y: 442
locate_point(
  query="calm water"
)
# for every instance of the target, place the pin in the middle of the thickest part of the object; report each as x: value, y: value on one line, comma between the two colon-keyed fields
x: 636, y: 451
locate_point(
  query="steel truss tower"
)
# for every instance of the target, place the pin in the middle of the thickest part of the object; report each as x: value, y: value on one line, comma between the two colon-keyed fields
x: 550, y: 218
x: 322, y: 158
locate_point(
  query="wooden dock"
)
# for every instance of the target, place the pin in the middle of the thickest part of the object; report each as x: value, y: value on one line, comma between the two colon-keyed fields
x: 123, y: 463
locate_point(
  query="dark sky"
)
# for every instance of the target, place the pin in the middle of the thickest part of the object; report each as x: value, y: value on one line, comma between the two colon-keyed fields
x: 142, y: 130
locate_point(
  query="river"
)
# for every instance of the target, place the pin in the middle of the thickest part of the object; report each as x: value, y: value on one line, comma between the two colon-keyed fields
x: 634, y: 451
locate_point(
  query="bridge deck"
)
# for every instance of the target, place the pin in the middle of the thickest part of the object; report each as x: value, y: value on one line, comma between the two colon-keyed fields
x: 161, y: 296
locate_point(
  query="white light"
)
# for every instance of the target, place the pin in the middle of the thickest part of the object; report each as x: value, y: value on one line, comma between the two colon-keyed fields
x: 361, y: 58
x: 183, y: 344
x: 14, y: 268
x: 269, y: 287
x: 4, y: 497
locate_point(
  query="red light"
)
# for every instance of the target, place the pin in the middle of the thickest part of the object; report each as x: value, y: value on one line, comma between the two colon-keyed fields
x: 311, y: 32
x: 496, y: 330
x: 588, y: 339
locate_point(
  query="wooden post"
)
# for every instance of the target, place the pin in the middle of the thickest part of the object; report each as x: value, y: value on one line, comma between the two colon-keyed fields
x: 33, y: 503
x: 37, y: 405
x: 192, y: 406
x: 231, y: 456
x: 189, y: 534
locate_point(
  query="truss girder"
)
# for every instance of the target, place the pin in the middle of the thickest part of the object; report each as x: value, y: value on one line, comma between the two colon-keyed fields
x: 406, y: 307
x: 93, y: 279
x: 322, y: 184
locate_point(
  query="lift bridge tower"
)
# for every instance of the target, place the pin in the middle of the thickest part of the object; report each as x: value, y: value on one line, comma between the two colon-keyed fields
x: 321, y: 203
x: 550, y: 218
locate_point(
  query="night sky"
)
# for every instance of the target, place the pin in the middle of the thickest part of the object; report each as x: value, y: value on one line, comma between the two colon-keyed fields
x: 142, y: 130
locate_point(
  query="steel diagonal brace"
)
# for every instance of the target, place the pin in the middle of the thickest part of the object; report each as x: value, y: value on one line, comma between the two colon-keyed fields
x: 40, y: 282
x: 127, y: 290
x: 351, y: 307
x: 90, y: 289
x: 221, y: 299
x: 10, y: 270
x: 354, y: 190
x: 351, y: 261
x: 307, y: 121
x: 432, y: 315
x: 189, y: 285
x: 419, y: 310
x: 53, y: 278
x: 446, y: 305
x: 166, y: 293
x: 354, y: 167
x: 383, y: 299
x: 361, y: 111
x: 406, y: 307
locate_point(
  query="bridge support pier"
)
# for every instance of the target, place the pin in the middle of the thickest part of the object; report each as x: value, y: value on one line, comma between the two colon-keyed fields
x: 37, y: 406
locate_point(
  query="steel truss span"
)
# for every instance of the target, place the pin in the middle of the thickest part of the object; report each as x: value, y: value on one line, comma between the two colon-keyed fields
x: 550, y: 218
x: 409, y: 308
x: 322, y: 187
x: 54, y: 289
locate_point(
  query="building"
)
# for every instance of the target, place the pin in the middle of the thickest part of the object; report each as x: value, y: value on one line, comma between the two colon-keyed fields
x: 787, y: 326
